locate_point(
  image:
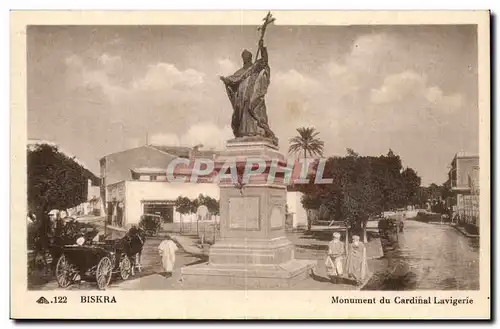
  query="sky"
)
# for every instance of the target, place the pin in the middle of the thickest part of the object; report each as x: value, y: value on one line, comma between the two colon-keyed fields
x: 95, y: 90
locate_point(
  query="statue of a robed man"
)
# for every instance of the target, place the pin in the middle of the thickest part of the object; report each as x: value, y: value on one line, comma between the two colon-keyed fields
x: 246, y: 89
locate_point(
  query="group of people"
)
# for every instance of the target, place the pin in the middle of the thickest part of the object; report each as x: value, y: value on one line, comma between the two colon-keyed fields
x: 42, y: 232
x: 45, y: 230
x: 351, y: 263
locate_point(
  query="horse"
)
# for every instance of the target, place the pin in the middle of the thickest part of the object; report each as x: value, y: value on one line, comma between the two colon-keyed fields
x: 133, y: 243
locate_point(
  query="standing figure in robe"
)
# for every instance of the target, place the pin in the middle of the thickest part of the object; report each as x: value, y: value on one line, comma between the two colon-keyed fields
x: 246, y: 90
x: 357, y: 266
x: 167, y: 249
x: 335, y: 259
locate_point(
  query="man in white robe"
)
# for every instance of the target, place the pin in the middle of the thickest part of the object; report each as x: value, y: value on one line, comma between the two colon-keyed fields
x: 167, y: 249
x: 335, y: 258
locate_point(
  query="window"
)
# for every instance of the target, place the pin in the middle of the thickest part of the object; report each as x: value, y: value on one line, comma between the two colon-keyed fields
x: 152, y: 177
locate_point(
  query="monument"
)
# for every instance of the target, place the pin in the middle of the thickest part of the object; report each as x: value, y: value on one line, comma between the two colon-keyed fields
x: 253, y: 250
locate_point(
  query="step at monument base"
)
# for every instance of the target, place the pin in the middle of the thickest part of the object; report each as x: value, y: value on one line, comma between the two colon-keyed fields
x: 249, y: 276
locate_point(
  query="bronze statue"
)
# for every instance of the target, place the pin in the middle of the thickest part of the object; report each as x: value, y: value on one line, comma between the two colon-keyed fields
x: 247, y: 88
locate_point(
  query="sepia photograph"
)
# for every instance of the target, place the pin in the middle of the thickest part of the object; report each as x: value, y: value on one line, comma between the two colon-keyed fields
x: 262, y: 156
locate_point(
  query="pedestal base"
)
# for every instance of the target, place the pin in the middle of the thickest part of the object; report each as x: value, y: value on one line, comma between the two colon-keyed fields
x: 243, y: 276
x: 264, y: 252
x: 253, y: 251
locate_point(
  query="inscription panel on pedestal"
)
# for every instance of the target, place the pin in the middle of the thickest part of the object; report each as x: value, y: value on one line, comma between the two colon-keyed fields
x: 277, y: 217
x: 277, y: 213
x: 244, y: 213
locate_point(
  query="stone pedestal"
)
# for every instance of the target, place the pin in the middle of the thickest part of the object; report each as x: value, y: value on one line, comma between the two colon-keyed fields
x: 253, y: 251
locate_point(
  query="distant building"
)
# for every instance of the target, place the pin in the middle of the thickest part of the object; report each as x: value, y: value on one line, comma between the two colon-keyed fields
x: 297, y: 214
x: 93, y: 206
x: 134, y: 183
x: 464, y: 179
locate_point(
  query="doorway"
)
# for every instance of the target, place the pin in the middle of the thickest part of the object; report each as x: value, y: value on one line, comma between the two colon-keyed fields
x: 165, y: 209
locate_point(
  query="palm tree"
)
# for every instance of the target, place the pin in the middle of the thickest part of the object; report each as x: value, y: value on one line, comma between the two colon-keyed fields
x: 306, y: 141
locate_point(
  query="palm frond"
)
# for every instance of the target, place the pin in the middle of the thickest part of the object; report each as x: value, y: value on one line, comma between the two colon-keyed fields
x: 306, y: 141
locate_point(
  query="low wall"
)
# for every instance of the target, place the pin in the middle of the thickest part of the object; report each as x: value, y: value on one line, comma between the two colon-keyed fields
x: 411, y: 213
x: 424, y: 216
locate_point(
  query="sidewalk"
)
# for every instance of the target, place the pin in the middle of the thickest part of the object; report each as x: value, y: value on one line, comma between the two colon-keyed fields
x: 189, y: 244
x: 463, y: 231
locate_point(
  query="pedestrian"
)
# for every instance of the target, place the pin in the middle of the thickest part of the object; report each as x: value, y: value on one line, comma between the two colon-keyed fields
x: 335, y: 258
x: 59, y: 227
x: 167, y: 249
x: 357, y: 265
x: 50, y: 227
x: 32, y: 226
x: 31, y: 218
x: 49, y: 238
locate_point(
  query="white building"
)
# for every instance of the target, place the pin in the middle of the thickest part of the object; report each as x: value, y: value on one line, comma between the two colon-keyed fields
x: 296, y: 210
x: 133, y: 183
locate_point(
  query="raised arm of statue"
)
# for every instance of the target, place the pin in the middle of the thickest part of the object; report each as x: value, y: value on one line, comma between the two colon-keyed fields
x: 264, y: 54
x: 263, y: 51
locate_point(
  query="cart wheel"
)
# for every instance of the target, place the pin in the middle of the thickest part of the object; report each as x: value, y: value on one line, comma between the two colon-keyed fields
x: 125, y: 267
x: 63, y: 272
x: 103, y: 273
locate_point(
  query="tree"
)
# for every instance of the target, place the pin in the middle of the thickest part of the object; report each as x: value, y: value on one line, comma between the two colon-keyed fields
x: 310, y: 202
x: 351, y: 153
x: 306, y: 142
x: 390, y: 179
x: 55, y: 181
x: 362, y: 187
x: 410, y: 185
x: 209, y: 202
x: 183, y: 206
x: 361, y: 194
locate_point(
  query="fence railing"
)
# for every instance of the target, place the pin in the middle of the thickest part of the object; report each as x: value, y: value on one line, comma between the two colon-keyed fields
x: 207, y: 231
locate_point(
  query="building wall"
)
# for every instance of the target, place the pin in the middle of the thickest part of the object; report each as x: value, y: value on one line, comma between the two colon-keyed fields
x: 116, y: 167
x: 115, y: 193
x: 467, y: 167
x: 466, y: 187
x: 132, y: 194
x: 138, y: 191
x: 468, y: 208
x: 296, y: 209
x: 92, y: 206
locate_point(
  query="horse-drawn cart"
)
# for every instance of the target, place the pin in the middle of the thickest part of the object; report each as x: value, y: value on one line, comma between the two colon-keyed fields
x: 151, y: 224
x: 98, y: 262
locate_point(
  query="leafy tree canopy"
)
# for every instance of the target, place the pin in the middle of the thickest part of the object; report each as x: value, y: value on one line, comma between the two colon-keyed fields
x: 55, y: 181
x: 184, y: 205
x: 362, y: 187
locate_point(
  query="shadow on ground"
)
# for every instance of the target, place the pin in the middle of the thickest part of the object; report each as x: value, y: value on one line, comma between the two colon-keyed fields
x: 327, y: 235
x: 336, y: 280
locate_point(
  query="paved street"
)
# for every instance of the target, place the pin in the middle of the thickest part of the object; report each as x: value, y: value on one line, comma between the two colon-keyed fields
x: 306, y: 247
x: 425, y: 256
x: 430, y: 257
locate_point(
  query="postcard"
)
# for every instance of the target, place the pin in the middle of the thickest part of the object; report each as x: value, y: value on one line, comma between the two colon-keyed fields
x: 250, y: 165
